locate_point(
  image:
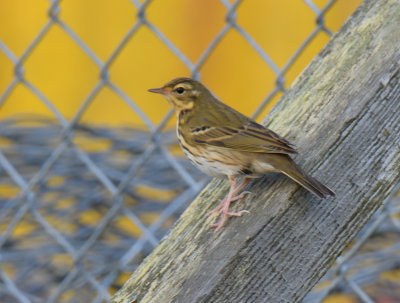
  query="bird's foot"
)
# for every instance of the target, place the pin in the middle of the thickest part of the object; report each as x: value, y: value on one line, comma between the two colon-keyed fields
x: 223, y: 210
x: 237, y: 214
x: 225, y: 216
x: 218, y: 209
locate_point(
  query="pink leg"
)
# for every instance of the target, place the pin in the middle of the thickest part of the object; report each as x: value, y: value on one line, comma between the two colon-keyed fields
x: 234, y: 198
x: 223, y: 208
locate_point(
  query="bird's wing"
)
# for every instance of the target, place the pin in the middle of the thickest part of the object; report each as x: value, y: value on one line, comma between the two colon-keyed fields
x: 249, y: 136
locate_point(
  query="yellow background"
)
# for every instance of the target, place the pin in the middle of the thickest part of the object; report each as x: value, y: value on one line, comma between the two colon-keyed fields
x: 66, y: 75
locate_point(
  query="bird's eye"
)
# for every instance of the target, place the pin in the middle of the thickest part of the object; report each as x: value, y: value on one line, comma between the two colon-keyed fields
x: 180, y: 90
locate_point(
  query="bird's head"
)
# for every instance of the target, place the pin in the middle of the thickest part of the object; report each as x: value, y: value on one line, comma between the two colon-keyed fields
x: 182, y: 93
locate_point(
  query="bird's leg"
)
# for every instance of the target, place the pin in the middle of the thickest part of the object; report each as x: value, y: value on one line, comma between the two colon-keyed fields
x: 235, y: 192
x: 223, y: 208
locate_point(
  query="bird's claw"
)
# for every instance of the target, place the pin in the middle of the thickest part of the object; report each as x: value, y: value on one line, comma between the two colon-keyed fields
x: 225, y: 216
x: 246, y: 192
x: 238, y: 214
x: 218, y: 209
x: 222, y: 209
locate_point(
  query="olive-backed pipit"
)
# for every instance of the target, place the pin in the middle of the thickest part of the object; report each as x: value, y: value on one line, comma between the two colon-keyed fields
x: 220, y: 141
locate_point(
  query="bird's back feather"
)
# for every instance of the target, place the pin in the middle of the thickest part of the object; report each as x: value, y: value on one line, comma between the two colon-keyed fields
x: 237, y: 131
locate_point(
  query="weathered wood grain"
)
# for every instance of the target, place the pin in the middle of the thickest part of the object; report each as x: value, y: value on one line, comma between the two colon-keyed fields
x: 343, y: 114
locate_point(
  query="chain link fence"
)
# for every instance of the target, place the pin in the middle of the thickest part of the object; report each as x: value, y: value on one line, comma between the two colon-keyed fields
x: 76, y: 222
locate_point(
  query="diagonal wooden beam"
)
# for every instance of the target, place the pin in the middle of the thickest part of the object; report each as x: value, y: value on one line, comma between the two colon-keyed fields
x: 343, y: 114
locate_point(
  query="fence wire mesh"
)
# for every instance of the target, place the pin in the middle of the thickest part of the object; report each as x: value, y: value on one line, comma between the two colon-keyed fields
x: 76, y: 222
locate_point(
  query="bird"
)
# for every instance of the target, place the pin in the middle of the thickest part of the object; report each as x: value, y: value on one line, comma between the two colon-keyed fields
x: 223, y: 142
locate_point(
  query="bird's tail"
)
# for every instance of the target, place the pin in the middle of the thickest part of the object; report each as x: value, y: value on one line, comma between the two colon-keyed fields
x: 294, y: 172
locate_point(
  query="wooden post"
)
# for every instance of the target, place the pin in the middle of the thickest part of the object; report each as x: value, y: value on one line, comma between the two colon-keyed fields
x: 343, y: 114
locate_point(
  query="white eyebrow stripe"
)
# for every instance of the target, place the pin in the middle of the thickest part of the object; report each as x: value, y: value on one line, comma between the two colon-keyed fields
x: 184, y: 85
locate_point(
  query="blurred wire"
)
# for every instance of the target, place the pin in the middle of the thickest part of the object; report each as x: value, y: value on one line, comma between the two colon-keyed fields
x: 80, y: 206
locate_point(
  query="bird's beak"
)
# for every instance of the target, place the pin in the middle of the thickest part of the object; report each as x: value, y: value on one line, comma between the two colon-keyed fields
x: 161, y: 91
